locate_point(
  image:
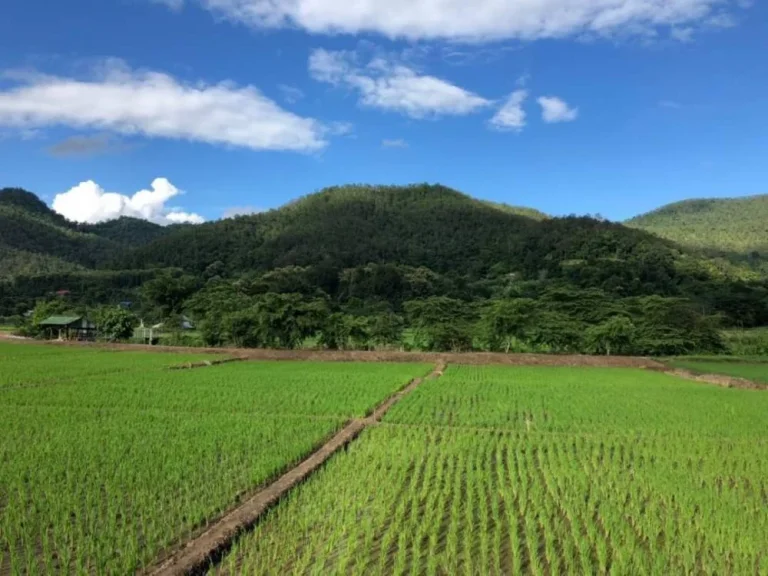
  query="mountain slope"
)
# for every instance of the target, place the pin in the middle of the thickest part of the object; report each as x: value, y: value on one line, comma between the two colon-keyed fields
x: 36, y: 240
x: 737, y: 225
x: 130, y: 232
x: 423, y: 225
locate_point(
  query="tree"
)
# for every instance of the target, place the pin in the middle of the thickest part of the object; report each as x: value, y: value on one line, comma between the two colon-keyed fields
x: 440, y: 323
x: 116, y: 323
x: 386, y: 329
x: 614, y: 335
x: 503, y: 321
x: 277, y: 321
x: 169, y: 291
x: 42, y: 310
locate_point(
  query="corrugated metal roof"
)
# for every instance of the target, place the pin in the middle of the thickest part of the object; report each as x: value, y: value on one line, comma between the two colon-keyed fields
x: 60, y: 320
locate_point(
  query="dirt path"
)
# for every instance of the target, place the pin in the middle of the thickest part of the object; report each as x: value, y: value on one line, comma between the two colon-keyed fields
x: 717, y: 379
x: 196, y: 555
x: 473, y: 358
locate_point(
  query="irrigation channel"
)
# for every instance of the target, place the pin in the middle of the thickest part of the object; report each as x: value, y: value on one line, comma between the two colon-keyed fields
x: 197, y: 555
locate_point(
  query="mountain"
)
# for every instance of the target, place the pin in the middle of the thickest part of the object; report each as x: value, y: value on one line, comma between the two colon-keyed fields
x: 36, y: 240
x: 384, y: 256
x: 735, y: 225
x: 421, y: 225
x: 127, y: 231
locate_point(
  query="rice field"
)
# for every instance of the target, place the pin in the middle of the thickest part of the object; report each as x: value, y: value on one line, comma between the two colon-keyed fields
x: 535, y: 471
x: 100, y: 470
x: 35, y: 364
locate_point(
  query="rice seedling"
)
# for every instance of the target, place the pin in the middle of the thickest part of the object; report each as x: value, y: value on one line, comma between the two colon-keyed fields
x: 535, y: 471
x: 100, y: 472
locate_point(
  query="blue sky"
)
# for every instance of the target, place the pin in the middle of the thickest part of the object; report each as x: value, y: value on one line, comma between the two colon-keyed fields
x: 216, y: 106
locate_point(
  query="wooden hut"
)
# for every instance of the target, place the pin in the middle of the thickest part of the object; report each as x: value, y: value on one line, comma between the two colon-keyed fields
x: 69, y: 328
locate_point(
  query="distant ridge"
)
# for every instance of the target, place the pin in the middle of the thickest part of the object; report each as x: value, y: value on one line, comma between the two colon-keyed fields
x: 737, y: 225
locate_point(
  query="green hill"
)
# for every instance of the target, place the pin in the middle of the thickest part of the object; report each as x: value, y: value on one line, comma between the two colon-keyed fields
x: 36, y: 240
x: 736, y: 225
x: 420, y: 225
x: 382, y: 257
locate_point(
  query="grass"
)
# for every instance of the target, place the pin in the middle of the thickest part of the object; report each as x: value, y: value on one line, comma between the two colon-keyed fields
x: 757, y: 372
x: 34, y: 364
x: 102, y: 470
x: 535, y: 471
x: 589, y: 400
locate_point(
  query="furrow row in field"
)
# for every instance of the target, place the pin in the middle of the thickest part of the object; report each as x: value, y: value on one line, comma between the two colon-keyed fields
x: 198, y: 553
x: 98, y: 474
x: 534, y: 471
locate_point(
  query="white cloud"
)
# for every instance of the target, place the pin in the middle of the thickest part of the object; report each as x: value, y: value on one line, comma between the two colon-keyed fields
x: 291, y: 94
x: 388, y: 85
x: 478, y: 20
x: 157, y: 105
x: 682, y: 34
x: 394, y: 143
x: 511, y: 116
x: 553, y: 110
x: 89, y: 202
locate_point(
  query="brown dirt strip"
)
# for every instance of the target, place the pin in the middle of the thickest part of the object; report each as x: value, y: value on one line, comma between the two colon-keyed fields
x: 198, y: 554
x: 473, y: 358
x: 204, y: 363
x: 716, y: 379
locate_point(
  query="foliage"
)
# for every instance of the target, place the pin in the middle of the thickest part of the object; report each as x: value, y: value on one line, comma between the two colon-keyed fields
x: 114, y: 323
x: 441, y: 323
x: 364, y: 255
x: 616, y: 335
x: 729, y: 225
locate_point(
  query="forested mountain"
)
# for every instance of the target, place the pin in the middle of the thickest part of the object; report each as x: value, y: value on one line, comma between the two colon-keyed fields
x: 129, y: 232
x: 362, y: 265
x: 737, y: 225
x: 430, y: 226
x: 36, y: 240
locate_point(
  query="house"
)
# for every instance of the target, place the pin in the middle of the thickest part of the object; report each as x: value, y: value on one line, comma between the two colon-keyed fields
x: 69, y: 328
x: 152, y: 334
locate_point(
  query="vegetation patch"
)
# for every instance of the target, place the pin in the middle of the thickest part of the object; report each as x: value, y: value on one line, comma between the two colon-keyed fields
x: 103, y: 470
x: 565, y: 481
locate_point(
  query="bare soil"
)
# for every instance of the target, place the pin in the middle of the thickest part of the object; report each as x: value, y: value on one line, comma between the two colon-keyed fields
x: 196, y: 555
x: 716, y: 379
x: 474, y: 358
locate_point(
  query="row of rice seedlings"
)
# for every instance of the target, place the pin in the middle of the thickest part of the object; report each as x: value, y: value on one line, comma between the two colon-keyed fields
x: 407, y: 500
x: 99, y: 474
x: 596, y: 400
x: 30, y: 364
x: 300, y: 388
x: 104, y: 492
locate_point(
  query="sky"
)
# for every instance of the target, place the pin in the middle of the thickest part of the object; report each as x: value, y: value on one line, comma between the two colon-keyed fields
x: 193, y: 110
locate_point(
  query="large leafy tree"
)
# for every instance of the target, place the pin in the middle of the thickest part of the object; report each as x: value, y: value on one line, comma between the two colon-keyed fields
x: 114, y: 323
x: 616, y: 335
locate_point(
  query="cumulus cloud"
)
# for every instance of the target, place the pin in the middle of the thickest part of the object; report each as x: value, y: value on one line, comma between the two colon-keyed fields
x: 89, y: 202
x: 553, y: 110
x: 394, y: 143
x: 391, y: 86
x: 479, y: 20
x: 511, y: 115
x: 153, y: 104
